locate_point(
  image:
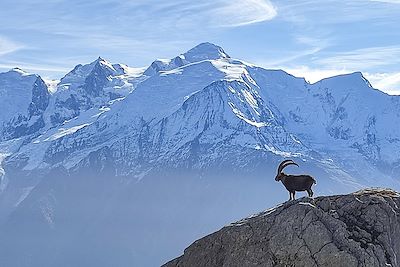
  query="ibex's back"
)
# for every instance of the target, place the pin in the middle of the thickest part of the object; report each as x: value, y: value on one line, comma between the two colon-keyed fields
x: 298, y: 182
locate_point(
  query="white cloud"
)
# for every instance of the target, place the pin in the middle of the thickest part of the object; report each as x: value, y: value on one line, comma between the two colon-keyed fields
x: 180, y: 14
x: 316, y: 13
x: 289, y: 58
x: 387, y: 1
x: 34, y: 68
x: 363, y: 58
x: 310, y: 46
x: 314, y: 75
x: 387, y: 82
x: 145, y: 17
x: 371, y: 61
x: 244, y: 12
x: 7, y: 46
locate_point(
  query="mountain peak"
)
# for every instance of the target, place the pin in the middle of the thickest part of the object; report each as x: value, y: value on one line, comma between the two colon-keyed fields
x: 19, y: 71
x: 350, y: 80
x: 104, y: 63
x: 80, y: 72
x: 99, y: 60
x: 353, y: 75
x: 17, y: 74
x: 205, y: 51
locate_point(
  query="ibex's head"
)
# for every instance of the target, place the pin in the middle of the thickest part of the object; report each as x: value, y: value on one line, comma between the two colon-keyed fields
x: 283, y: 164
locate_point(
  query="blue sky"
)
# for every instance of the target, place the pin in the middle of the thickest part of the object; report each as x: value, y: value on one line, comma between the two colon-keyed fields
x: 310, y: 38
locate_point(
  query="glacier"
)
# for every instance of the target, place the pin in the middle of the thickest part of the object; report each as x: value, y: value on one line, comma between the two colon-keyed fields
x: 121, y: 166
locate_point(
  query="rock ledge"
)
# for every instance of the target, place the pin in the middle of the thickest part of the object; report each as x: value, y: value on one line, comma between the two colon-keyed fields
x: 358, y: 229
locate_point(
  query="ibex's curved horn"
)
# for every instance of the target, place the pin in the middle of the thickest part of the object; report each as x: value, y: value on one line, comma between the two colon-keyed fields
x: 286, y: 163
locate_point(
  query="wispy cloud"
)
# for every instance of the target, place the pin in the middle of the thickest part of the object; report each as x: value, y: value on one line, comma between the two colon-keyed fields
x: 8, y: 46
x: 63, y: 16
x: 310, y: 37
x: 131, y: 29
x: 288, y: 59
x: 372, y: 61
x: 314, y: 75
x: 363, y: 58
x: 307, y: 47
x: 343, y: 37
x: 388, y: 82
x: 245, y: 12
x: 332, y: 12
x: 35, y: 67
x: 387, y: 1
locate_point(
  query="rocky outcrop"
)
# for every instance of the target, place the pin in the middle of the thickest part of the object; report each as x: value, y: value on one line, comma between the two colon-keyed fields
x: 359, y: 229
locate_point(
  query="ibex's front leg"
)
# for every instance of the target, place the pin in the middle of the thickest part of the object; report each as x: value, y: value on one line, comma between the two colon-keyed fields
x: 294, y: 192
x: 310, y: 192
x: 291, y: 195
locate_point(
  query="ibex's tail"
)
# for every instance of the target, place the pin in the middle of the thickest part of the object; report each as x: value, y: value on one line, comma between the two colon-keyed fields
x: 314, y: 181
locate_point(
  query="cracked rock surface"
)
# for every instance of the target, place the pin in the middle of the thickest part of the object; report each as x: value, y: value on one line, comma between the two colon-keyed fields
x: 358, y: 229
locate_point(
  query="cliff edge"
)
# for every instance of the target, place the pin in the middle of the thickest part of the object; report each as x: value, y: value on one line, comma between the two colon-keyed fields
x: 358, y: 229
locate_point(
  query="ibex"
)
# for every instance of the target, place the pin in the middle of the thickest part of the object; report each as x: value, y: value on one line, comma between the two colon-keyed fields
x: 294, y: 183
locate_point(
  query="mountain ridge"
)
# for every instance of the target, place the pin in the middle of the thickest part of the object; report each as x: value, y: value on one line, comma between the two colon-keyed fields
x: 211, y: 132
x: 84, y: 109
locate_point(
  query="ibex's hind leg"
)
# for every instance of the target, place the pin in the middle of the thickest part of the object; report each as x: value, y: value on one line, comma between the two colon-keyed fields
x: 294, y: 192
x: 290, y: 195
x: 310, y: 192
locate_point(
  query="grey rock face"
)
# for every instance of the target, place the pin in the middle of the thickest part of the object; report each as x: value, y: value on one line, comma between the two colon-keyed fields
x: 359, y: 229
x: 40, y: 98
x: 96, y: 80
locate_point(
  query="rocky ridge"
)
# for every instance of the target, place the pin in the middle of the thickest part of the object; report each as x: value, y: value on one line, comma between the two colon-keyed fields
x: 358, y: 229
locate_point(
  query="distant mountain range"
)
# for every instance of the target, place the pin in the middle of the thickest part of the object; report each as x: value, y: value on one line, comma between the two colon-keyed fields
x: 114, y: 165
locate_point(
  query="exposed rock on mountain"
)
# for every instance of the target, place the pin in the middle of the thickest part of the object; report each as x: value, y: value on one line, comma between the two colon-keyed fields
x: 23, y: 98
x: 198, y: 109
x: 90, y: 86
x: 359, y: 229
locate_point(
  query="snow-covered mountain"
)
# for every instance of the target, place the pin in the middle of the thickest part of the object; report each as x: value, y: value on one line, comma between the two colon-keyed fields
x: 128, y: 156
x: 90, y: 86
x: 24, y: 98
